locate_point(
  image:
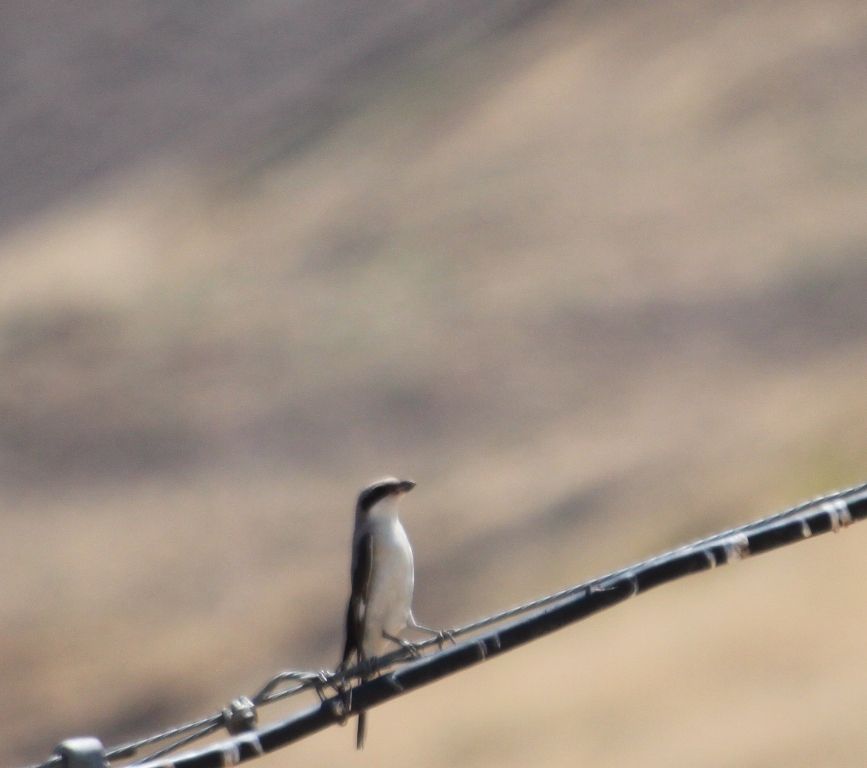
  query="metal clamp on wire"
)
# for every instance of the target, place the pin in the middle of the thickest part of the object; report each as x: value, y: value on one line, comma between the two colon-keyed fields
x: 82, y: 752
x: 240, y: 716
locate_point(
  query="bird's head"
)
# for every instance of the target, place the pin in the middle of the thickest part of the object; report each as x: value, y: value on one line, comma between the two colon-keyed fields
x: 382, y: 495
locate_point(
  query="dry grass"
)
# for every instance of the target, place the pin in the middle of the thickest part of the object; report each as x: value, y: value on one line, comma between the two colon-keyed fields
x: 595, y: 280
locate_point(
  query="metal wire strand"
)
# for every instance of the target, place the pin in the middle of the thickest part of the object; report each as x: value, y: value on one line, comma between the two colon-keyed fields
x: 205, y: 730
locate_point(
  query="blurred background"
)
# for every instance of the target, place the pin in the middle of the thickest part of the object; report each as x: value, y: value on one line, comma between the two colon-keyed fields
x: 592, y: 273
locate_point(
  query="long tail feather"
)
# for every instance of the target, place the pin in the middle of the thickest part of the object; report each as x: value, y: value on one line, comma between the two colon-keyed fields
x: 362, y: 729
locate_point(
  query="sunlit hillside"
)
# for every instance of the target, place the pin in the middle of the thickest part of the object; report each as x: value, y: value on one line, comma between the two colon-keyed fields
x: 591, y: 273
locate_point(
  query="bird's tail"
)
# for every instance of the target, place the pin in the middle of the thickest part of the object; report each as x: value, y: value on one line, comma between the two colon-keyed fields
x: 362, y: 729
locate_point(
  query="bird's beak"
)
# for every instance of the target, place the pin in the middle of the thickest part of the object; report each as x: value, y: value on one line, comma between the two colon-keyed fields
x: 405, y: 486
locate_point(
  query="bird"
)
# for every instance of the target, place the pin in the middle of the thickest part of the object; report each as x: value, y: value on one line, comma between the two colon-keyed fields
x: 380, y: 601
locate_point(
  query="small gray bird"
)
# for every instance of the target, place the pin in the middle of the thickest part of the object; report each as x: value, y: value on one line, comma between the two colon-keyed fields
x: 380, y: 605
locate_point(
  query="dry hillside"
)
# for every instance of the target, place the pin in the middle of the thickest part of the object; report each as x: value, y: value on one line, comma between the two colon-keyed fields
x: 593, y: 273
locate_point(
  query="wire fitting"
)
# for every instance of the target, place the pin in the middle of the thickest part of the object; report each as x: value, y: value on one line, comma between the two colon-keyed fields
x: 82, y: 752
x: 240, y: 716
x: 736, y: 546
x: 838, y: 513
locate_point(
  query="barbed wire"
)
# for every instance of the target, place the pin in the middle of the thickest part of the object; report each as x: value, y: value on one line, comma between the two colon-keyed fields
x: 819, y: 515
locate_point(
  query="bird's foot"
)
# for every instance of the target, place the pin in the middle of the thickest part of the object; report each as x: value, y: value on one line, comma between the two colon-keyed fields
x: 441, y: 635
x: 323, y: 679
x: 445, y: 635
x: 411, y: 648
x: 341, y: 703
x: 369, y: 667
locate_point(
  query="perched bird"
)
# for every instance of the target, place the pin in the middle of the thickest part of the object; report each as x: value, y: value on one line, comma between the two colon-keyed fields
x: 380, y: 604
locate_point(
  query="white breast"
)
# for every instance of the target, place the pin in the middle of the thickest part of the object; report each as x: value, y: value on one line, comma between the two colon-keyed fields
x: 390, y: 596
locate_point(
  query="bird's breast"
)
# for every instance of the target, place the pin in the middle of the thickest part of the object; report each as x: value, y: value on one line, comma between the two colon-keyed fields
x: 390, y: 596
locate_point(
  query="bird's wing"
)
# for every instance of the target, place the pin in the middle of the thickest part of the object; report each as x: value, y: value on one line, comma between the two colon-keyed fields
x: 362, y: 570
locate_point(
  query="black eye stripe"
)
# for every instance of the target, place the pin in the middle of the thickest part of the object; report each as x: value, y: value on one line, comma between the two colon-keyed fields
x: 369, y: 496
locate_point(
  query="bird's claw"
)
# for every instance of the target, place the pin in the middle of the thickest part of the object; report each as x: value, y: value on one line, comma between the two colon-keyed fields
x: 321, y: 680
x: 365, y: 668
x: 411, y: 648
x: 341, y: 703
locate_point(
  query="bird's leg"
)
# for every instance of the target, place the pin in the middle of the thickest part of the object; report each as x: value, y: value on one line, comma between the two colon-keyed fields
x: 440, y: 634
x: 342, y: 701
x: 321, y: 680
x: 344, y: 696
x: 405, y: 644
x: 344, y: 687
x: 367, y: 668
